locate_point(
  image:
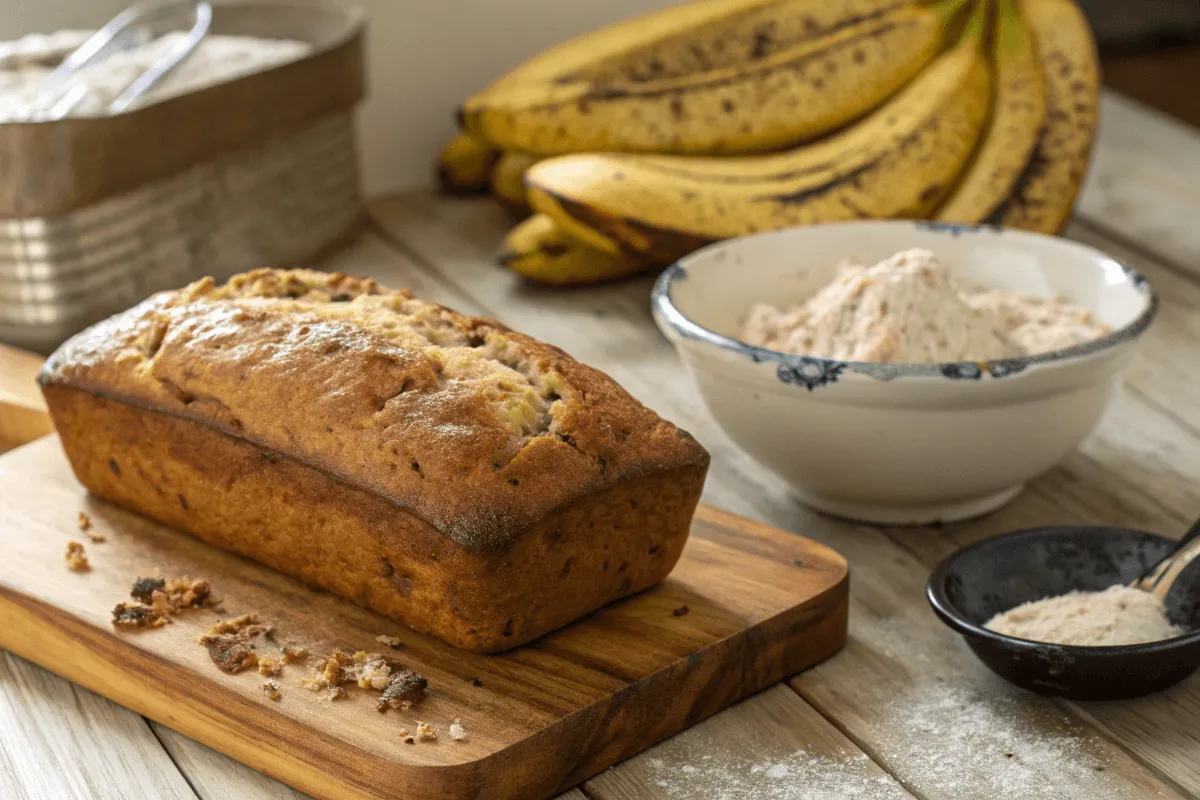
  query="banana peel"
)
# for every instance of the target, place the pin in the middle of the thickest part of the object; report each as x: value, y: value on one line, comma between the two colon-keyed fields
x: 508, y: 181
x: 996, y: 126
x: 1044, y: 194
x: 710, y: 77
x: 464, y: 165
x: 539, y: 251
x: 1018, y: 114
x: 898, y: 162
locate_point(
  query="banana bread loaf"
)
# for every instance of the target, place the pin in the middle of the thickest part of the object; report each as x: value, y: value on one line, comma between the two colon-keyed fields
x: 440, y: 469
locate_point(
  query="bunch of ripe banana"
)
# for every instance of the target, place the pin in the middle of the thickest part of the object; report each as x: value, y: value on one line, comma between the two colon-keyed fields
x: 638, y: 143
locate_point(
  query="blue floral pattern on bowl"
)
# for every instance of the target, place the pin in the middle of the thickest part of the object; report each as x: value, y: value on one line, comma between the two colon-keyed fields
x: 955, y: 229
x: 811, y: 372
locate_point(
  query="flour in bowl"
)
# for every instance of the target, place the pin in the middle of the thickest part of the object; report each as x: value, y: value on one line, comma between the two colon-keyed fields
x: 1118, y: 615
x: 911, y: 308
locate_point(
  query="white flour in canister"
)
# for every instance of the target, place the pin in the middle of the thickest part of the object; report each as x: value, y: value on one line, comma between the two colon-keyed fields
x: 25, y: 63
x: 1116, y: 616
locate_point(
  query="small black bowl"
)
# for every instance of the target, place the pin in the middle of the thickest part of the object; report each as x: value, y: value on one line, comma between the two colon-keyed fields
x: 992, y: 576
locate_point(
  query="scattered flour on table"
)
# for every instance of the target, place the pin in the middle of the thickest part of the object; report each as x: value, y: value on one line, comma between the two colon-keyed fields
x: 911, y: 308
x: 1116, y: 616
x: 957, y: 736
x: 948, y: 742
x: 720, y: 775
x: 955, y: 741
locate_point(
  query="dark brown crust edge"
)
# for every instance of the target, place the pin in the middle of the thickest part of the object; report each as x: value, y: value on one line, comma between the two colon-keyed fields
x: 310, y: 525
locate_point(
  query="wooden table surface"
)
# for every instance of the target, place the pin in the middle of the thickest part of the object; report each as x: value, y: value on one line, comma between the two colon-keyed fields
x: 905, y: 711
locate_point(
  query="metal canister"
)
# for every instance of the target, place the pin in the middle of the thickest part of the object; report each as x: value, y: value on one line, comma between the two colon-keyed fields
x: 96, y: 213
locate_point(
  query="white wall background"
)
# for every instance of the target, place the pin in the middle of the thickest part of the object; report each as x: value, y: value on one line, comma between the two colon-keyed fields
x: 425, y: 56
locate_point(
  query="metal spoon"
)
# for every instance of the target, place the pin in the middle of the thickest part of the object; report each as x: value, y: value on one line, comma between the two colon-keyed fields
x: 113, y: 37
x: 1159, y: 579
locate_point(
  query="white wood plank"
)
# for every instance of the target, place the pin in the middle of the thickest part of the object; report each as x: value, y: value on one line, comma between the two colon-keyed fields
x: 59, y: 741
x: 907, y: 659
x: 1165, y: 370
x: 761, y: 749
x: 216, y: 777
x: 1144, y: 180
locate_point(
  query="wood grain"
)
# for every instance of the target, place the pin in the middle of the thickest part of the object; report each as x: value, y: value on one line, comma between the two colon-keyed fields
x: 216, y: 777
x: 58, y: 740
x: 892, y: 633
x: 1144, y: 180
x: 760, y: 605
x: 23, y: 415
x: 776, y: 748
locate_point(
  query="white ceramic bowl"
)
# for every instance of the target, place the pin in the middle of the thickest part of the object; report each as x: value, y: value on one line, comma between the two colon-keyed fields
x: 900, y: 443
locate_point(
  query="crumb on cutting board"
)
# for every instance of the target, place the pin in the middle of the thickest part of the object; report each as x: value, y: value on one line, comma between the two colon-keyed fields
x: 682, y: 611
x: 238, y: 624
x: 271, y: 666
x: 398, y: 687
x: 85, y: 525
x: 76, y: 557
x: 144, y: 588
x: 389, y: 641
x: 230, y: 642
x: 457, y: 732
x: 327, y: 676
x: 159, y: 599
x: 172, y: 595
x: 293, y: 653
x: 130, y: 616
x: 405, y: 689
x: 426, y: 731
x: 373, y: 671
x: 271, y: 689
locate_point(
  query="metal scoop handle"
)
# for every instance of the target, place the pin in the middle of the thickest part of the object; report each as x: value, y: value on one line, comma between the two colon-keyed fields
x: 99, y: 43
x: 1159, y: 579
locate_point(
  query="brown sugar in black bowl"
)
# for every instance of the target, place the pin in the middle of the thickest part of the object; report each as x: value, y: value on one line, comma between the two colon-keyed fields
x: 990, y: 577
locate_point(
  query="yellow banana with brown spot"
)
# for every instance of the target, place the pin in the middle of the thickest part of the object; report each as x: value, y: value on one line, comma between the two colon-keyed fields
x: 508, y: 181
x: 1045, y: 192
x: 538, y: 250
x: 898, y: 162
x: 756, y: 77
x: 1018, y: 113
x: 465, y: 164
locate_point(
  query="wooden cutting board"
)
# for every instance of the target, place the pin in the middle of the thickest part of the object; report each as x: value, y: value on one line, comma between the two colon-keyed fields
x: 747, y: 606
x: 23, y: 414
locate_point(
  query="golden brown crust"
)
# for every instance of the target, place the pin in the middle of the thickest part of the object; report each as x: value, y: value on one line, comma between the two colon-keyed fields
x: 479, y: 431
x: 313, y: 526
